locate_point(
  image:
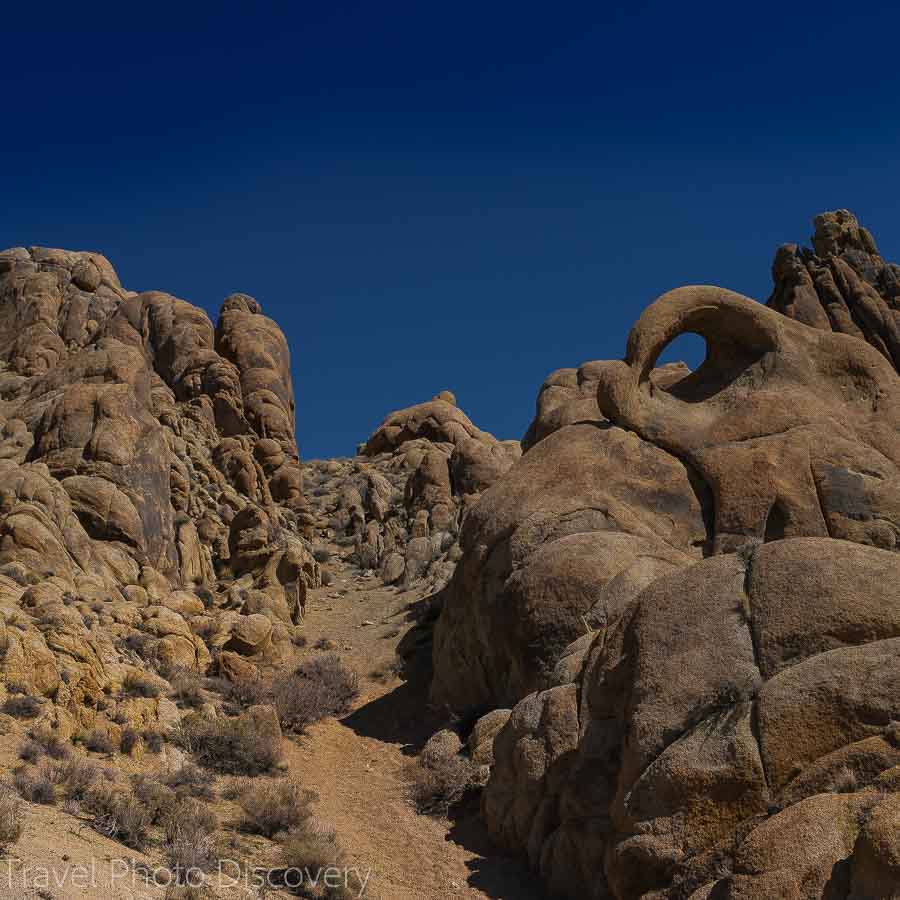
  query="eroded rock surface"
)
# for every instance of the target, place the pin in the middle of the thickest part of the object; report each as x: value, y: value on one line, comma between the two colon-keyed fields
x: 687, y: 591
x: 152, y: 510
x: 842, y: 284
x: 746, y: 698
x: 397, y: 507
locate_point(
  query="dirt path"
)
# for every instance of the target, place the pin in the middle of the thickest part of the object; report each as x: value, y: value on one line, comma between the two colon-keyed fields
x: 357, y: 764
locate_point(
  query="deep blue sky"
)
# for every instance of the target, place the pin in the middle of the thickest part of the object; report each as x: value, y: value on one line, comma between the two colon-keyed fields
x: 431, y: 196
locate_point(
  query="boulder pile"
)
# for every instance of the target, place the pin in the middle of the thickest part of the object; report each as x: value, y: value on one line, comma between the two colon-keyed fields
x: 396, y: 508
x: 152, y: 510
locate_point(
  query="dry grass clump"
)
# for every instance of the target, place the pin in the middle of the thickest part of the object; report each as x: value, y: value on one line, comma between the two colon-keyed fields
x: 10, y: 818
x: 157, y: 799
x: 271, y: 807
x: 187, y: 690
x: 31, y: 752
x: 22, y: 706
x: 129, y: 740
x: 190, y: 841
x: 138, y: 685
x: 189, y: 892
x: 34, y: 786
x: 230, y: 746
x: 308, y: 851
x: 76, y: 777
x: 441, y: 776
x: 321, y: 686
x: 50, y: 743
x: 387, y: 671
x: 98, y: 741
x: 117, y: 814
x: 192, y: 781
x: 153, y: 741
x: 844, y: 781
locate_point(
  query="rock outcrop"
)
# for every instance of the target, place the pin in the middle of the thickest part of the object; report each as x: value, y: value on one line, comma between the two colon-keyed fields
x: 687, y: 592
x: 399, y: 504
x: 745, y: 699
x: 152, y: 509
x: 841, y: 284
x: 783, y: 431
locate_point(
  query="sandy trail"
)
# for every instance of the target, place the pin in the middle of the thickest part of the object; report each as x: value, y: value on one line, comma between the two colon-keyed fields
x: 357, y: 764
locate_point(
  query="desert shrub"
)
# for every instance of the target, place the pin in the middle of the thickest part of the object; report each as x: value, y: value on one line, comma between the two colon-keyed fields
x: 386, y: 671
x: 22, y: 706
x: 191, y: 781
x: 320, y: 687
x: 189, y: 840
x: 230, y: 746
x: 274, y: 806
x: 34, y: 786
x: 51, y: 743
x: 76, y: 776
x: 242, y: 693
x: 321, y: 554
x: 299, y: 641
x: 311, y: 851
x: 157, y: 799
x: 844, y: 781
x: 130, y: 739
x: 31, y: 752
x: 139, y: 643
x: 10, y: 818
x: 187, y: 690
x: 153, y: 741
x: 98, y: 741
x: 14, y: 574
x: 139, y: 685
x: 206, y: 596
x: 189, y: 892
x: 439, y: 781
x: 117, y: 814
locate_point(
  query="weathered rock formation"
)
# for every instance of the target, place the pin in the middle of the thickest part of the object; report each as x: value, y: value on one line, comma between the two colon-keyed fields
x: 400, y: 502
x: 151, y: 484
x: 747, y: 703
x: 841, y: 284
x: 687, y: 592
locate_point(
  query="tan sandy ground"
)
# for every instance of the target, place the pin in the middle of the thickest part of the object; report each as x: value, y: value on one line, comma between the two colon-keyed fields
x: 356, y: 765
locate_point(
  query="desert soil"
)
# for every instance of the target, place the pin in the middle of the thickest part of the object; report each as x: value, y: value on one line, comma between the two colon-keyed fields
x: 358, y: 765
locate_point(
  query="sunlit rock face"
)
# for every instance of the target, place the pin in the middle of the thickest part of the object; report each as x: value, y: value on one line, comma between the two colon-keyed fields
x: 687, y: 593
x: 151, y: 483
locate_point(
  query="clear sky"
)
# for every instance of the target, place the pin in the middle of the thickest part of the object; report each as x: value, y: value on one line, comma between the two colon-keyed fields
x: 432, y: 195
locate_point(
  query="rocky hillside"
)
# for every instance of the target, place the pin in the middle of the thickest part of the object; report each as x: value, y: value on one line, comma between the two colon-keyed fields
x: 652, y: 651
x: 152, y: 510
x: 682, y: 605
x: 399, y: 504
